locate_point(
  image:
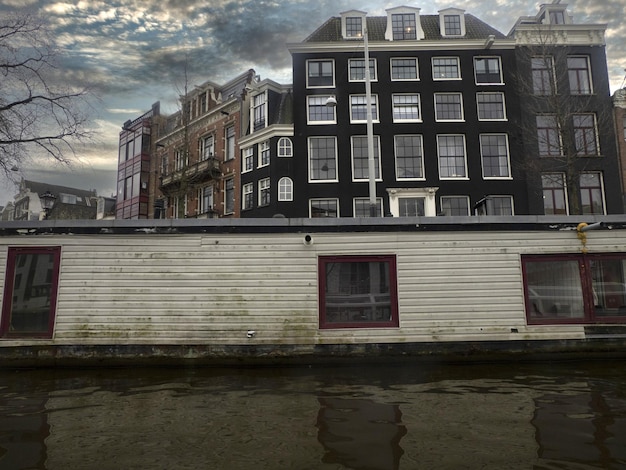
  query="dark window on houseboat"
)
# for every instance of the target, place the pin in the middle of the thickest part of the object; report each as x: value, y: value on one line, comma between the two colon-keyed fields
x: 358, y: 291
x: 571, y: 288
x: 30, y: 292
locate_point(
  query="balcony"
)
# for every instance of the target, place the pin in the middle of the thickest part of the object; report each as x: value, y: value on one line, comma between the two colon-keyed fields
x: 202, y: 171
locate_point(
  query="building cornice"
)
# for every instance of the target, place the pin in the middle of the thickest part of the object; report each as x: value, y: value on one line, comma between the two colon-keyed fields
x: 282, y: 130
x: 402, y: 46
x: 559, y: 35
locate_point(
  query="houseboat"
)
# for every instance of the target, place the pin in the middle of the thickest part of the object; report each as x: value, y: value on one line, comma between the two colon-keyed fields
x: 282, y: 290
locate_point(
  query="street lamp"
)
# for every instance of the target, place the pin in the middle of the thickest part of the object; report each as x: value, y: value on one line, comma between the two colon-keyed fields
x: 47, y: 202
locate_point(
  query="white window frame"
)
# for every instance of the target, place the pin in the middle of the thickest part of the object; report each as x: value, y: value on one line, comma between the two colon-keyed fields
x: 427, y: 193
x: 480, y: 209
x: 226, y: 191
x: 488, y: 57
x: 248, y: 156
x: 458, y: 197
x: 439, y: 157
x: 455, y: 93
x: 229, y: 143
x: 327, y: 199
x: 284, y: 147
x: 247, y: 190
x: 493, y: 93
x: 452, y: 12
x: 588, y: 72
x: 375, y: 110
x: 308, y: 85
x: 264, y: 150
x: 285, y: 189
x: 373, y: 76
x: 602, y: 194
x: 264, y: 188
x: 205, y: 199
x: 445, y: 78
x: 206, y: 148
x: 320, y: 101
x: 404, y: 106
x: 594, y: 128
x: 417, y: 72
x: 421, y: 158
x: 365, y: 201
x: 377, y: 152
x: 508, y: 156
x: 349, y: 15
x: 554, y: 177
x: 258, y: 104
x: 310, y: 141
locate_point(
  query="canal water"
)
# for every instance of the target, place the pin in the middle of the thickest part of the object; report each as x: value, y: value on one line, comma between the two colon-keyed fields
x: 414, y: 415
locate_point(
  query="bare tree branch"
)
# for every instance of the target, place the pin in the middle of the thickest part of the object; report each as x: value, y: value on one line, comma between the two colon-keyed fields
x: 38, y: 115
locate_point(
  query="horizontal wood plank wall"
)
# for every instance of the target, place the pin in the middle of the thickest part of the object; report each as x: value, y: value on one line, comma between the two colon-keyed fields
x: 212, y: 289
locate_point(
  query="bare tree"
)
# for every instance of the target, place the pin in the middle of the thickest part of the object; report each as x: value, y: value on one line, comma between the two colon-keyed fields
x: 566, y: 118
x: 39, y: 115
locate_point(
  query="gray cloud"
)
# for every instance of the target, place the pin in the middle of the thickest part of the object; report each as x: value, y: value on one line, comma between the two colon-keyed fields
x: 134, y: 52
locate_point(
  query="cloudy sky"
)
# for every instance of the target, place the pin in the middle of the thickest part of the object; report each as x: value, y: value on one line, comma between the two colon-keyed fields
x: 131, y: 53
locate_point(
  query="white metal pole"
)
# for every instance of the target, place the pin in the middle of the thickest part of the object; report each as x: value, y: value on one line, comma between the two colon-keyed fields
x: 370, y: 130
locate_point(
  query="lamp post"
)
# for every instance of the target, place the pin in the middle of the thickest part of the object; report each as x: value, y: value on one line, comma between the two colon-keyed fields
x: 47, y: 202
x: 371, y: 170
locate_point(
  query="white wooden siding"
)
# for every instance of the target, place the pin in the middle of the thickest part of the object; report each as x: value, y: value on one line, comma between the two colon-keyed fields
x: 212, y: 289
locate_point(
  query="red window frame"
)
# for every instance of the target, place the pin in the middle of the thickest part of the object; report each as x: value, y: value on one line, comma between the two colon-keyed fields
x: 324, y: 318
x: 9, y: 284
x: 593, y: 313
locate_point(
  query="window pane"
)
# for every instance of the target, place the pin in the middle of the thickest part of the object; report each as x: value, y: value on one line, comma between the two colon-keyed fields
x: 548, y: 138
x: 408, y: 156
x: 362, y: 207
x: 451, y: 156
x: 360, y: 162
x: 445, y: 68
x: 403, y: 26
x: 591, y: 193
x: 452, y: 25
x: 404, y: 69
x: 579, y: 76
x: 411, y: 206
x: 29, y: 305
x: 554, y: 201
x: 448, y: 107
x: 495, y: 155
x: 554, y: 289
x: 318, y: 111
x: 324, y: 208
x: 359, y: 292
x: 542, y: 74
x: 322, y: 158
x: 357, y: 69
x: 487, y: 70
x: 455, y: 205
x: 490, y: 106
x: 320, y: 73
x: 406, y: 108
x: 354, y: 27
x: 609, y: 286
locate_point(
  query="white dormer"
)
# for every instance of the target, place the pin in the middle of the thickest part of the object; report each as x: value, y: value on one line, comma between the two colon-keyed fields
x: 452, y: 23
x: 403, y: 23
x: 553, y: 14
x: 353, y: 24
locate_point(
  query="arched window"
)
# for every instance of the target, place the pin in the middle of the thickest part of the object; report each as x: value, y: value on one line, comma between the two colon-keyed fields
x: 285, y: 189
x: 285, y: 147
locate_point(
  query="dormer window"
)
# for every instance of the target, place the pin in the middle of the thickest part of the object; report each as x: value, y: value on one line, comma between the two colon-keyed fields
x: 353, y: 24
x: 403, y: 23
x: 452, y: 22
x: 553, y: 14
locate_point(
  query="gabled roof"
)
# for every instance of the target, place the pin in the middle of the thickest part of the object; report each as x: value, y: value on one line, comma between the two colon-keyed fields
x: 39, y: 188
x: 376, y: 26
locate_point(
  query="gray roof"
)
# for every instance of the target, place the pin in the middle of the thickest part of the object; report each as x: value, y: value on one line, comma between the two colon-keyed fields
x: 376, y: 26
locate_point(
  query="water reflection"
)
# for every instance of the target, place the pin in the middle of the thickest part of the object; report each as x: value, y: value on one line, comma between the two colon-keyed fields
x: 544, y: 416
x: 360, y: 434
